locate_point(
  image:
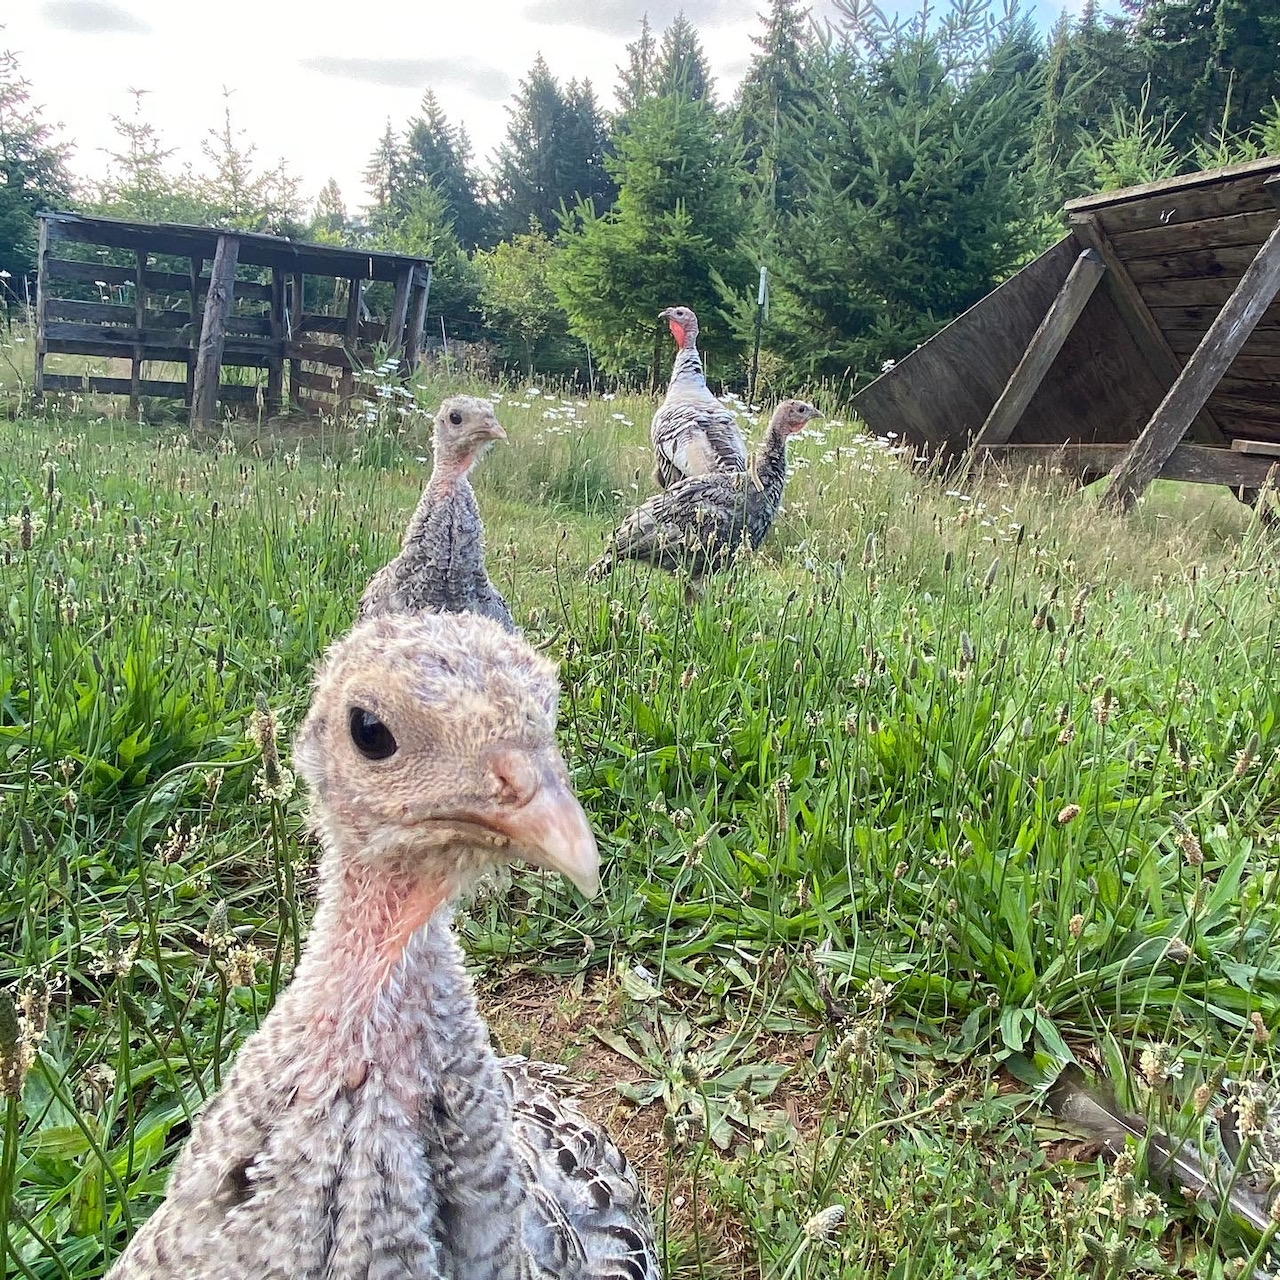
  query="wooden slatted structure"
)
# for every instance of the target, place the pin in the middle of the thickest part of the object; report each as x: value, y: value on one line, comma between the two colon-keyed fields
x: 1145, y: 343
x: 238, y: 302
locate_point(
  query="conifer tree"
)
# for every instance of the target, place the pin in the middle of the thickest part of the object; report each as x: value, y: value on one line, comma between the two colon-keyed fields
x: 238, y: 194
x: 439, y: 153
x: 384, y: 178
x: 674, y: 233
x: 33, y: 172
x: 636, y: 79
x: 681, y: 66
x: 140, y: 184
x: 553, y: 153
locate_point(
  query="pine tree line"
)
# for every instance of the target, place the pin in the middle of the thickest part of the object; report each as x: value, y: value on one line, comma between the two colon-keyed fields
x: 887, y: 172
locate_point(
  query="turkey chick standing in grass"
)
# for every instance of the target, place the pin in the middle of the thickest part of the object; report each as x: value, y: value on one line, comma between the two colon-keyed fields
x: 441, y: 562
x: 366, y: 1130
x: 699, y: 524
x: 692, y: 432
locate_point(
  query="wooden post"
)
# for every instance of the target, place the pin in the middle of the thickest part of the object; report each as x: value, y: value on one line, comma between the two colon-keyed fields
x: 1139, y: 321
x: 139, y: 321
x: 296, y: 298
x: 275, y: 362
x: 399, y: 310
x: 213, y: 332
x: 1041, y: 351
x: 1211, y: 359
x: 42, y: 259
x: 417, y: 322
x: 193, y: 341
x: 351, y: 341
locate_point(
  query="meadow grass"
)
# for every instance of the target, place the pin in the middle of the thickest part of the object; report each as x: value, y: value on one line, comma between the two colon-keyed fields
x: 938, y: 791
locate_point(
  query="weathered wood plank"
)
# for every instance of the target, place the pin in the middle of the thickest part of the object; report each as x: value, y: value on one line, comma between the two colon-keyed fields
x: 417, y: 322
x: 313, y: 381
x: 1219, y: 200
x: 98, y: 384
x: 1138, y: 321
x: 351, y: 338
x: 275, y: 322
x: 1203, y: 292
x: 1229, y: 262
x: 319, y: 353
x: 297, y: 296
x: 255, y: 357
x: 158, y: 282
x: 1264, y: 389
x: 1189, y: 462
x: 139, y: 321
x: 1200, y: 318
x: 1264, y: 448
x: 1042, y: 350
x: 1253, y: 408
x: 1188, y: 395
x: 399, y: 310
x: 1261, y: 342
x: 42, y: 276
x: 1212, y: 233
x: 1180, y: 185
x: 194, y: 268
x: 213, y: 333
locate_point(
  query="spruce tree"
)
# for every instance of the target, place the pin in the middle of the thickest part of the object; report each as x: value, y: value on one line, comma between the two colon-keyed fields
x: 919, y: 191
x: 681, y: 67
x: 438, y: 153
x: 553, y: 153
x: 673, y: 237
x: 238, y: 194
x: 384, y: 177
x: 33, y: 173
x: 636, y: 79
x: 329, y: 217
x: 140, y: 183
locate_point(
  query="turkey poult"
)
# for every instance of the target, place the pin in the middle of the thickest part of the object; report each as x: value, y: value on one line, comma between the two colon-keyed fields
x: 699, y: 524
x: 441, y: 562
x: 366, y: 1131
x: 692, y: 432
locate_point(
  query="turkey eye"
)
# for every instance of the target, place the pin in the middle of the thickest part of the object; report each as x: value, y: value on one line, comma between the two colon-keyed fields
x: 373, y: 739
x: 456, y: 418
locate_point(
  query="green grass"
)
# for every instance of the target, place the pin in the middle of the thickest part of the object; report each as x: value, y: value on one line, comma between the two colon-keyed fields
x: 934, y: 793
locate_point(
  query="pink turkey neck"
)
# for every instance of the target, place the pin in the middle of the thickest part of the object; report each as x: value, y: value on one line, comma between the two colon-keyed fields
x: 358, y: 962
x: 686, y: 339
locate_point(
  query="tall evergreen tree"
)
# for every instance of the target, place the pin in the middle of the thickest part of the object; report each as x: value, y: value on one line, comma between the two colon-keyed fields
x: 919, y: 191
x: 681, y: 66
x: 439, y: 153
x: 1212, y: 64
x: 238, y: 194
x: 385, y: 180
x: 140, y: 183
x: 329, y: 217
x: 673, y: 236
x: 776, y: 102
x: 553, y: 153
x: 636, y: 79
x: 33, y: 172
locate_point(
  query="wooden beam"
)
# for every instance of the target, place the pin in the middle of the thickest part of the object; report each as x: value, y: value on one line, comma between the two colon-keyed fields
x: 1138, y: 319
x: 417, y: 322
x: 1193, y: 463
x: 213, y: 332
x: 1272, y: 189
x: 1227, y: 334
x: 42, y: 293
x: 399, y: 310
x: 1042, y: 350
x: 139, y: 321
x: 194, y: 267
x: 350, y: 340
x: 297, y: 295
x: 275, y: 370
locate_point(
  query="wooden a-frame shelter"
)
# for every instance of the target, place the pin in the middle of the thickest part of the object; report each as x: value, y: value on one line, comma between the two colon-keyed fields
x: 207, y: 320
x: 1171, y: 369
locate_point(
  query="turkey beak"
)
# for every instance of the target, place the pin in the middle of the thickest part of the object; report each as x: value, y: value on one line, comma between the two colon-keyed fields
x: 493, y: 430
x: 665, y: 315
x: 551, y: 831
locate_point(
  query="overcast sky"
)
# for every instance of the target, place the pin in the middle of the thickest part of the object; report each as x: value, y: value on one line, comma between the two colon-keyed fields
x: 315, y: 80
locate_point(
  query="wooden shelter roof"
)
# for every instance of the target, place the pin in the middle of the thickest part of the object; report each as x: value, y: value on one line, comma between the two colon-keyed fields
x: 1185, y: 242
x: 255, y: 247
x: 1172, y: 368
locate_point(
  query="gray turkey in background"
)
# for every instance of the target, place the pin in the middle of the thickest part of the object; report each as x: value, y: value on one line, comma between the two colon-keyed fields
x: 441, y: 562
x: 692, y: 432
x: 699, y: 524
x: 366, y: 1131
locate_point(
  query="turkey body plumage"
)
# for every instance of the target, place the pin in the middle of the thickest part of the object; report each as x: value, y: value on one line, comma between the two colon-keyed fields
x: 366, y: 1130
x: 692, y: 433
x: 441, y: 565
